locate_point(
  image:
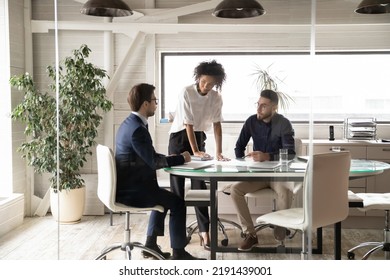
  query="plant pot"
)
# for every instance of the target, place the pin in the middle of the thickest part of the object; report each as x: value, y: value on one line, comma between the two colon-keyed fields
x: 67, y: 206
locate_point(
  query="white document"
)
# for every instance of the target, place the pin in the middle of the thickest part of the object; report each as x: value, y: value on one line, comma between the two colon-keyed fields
x: 195, y: 158
x: 298, y: 165
x: 249, y: 163
x: 194, y: 165
x: 263, y: 164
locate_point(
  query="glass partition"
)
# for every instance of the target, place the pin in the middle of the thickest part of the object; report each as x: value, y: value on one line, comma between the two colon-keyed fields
x: 282, y: 49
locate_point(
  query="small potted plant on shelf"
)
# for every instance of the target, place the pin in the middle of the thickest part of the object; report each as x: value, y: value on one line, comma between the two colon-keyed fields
x: 81, y: 102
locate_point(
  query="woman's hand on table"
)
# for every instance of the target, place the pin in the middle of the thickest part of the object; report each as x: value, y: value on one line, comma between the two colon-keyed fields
x: 220, y: 157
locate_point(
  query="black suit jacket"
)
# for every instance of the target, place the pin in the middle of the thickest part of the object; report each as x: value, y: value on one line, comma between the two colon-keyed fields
x: 137, y: 162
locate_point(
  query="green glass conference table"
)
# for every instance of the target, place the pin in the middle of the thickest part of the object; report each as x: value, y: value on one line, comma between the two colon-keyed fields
x: 247, y: 170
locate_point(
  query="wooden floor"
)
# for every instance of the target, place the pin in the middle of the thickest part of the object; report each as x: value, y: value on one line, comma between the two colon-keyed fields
x: 41, y: 238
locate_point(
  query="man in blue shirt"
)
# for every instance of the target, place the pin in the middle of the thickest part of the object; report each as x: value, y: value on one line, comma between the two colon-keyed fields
x: 270, y: 132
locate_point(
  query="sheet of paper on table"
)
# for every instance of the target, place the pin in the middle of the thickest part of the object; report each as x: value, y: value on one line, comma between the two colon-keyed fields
x: 298, y: 165
x: 249, y: 163
x: 264, y: 164
x: 194, y: 165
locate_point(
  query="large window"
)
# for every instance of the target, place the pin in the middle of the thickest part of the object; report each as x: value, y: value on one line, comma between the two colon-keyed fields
x: 334, y: 86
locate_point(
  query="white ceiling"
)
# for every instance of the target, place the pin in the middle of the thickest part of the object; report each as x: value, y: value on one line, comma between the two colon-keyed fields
x: 277, y: 12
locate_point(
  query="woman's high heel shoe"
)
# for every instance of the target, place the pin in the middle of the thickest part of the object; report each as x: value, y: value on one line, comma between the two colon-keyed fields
x: 204, y: 240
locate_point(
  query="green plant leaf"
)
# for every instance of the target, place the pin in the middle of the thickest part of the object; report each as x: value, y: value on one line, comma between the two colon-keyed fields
x: 81, y: 96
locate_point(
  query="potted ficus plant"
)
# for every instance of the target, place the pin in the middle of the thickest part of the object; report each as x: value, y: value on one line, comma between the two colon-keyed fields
x: 81, y: 103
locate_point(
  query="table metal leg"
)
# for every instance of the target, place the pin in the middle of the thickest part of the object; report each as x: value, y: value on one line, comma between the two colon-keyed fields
x: 337, y: 241
x: 213, y: 218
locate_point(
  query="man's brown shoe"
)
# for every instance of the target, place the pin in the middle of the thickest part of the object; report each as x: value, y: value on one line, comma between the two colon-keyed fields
x: 249, y: 242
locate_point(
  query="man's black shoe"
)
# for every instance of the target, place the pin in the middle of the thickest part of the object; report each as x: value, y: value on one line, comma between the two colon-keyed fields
x: 156, y: 248
x: 184, y: 256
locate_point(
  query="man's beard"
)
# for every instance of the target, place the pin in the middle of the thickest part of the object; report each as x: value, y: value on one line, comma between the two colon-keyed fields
x: 262, y: 117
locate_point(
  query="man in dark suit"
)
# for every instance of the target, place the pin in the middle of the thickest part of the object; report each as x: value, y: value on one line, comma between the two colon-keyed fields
x: 137, y: 185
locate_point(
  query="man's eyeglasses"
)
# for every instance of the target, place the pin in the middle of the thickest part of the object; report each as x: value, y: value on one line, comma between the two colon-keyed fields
x: 262, y: 106
x: 155, y: 100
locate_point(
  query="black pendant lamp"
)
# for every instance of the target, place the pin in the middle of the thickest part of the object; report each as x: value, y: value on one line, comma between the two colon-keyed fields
x: 373, y: 7
x: 238, y: 9
x: 106, y: 8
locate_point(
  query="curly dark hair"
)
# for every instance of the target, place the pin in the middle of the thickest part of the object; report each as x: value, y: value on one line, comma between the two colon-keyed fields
x: 211, y: 68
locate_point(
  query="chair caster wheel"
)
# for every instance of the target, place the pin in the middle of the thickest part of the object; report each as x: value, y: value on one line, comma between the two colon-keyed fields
x: 225, y: 242
x: 351, y: 256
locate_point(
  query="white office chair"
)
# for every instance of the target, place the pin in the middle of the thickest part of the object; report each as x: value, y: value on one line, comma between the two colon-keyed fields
x: 280, y: 234
x: 375, y: 201
x: 325, y: 199
x: 106, y: 193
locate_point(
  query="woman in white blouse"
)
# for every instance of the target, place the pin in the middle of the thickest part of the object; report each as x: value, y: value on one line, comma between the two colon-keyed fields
x: 199, y: 107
